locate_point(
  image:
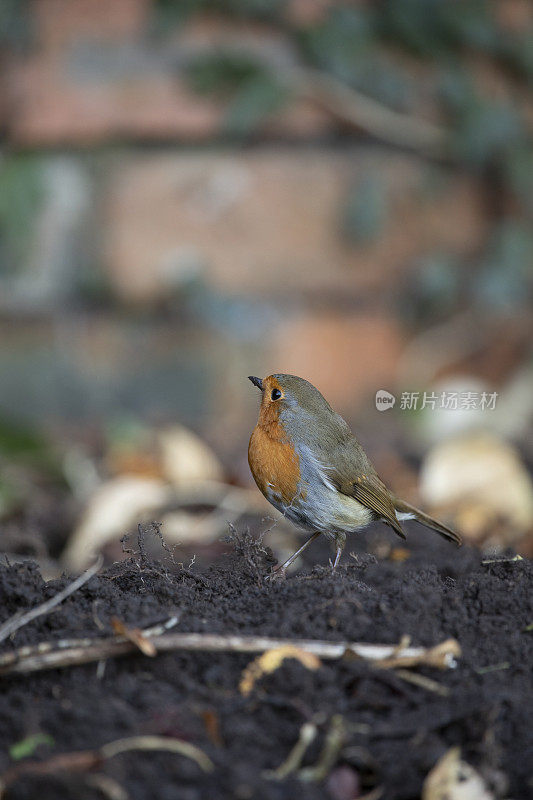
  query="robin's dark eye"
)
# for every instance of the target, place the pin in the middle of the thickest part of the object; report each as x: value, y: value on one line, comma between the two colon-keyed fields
x: 276, y: 394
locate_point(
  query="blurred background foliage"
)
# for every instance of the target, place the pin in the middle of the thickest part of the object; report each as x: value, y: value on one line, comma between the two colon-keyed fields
x: 194, y: 191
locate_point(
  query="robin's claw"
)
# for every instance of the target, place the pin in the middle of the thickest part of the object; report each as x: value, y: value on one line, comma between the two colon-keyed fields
x: 277, y: 574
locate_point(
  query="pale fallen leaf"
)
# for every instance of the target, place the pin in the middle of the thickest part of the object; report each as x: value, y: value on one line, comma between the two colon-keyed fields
x: 484, y: 480
x: 454, y: 779
x: 186, y: 527
x: 271, y: 661
x: 441, y: 656
x: 186, y: 458
x: 113, y: 508
x: 134, y: 635
x: 230, y: 503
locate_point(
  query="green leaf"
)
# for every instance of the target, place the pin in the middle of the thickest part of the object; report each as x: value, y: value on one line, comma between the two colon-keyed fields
x: 223, y: 73
x: 486, y: 130
x: 23, y: 445
x: 20, y: 200
x: 436, y: 29
x: 256, y: 100
x: 27, y: 747
x: 341, y: 42
x: 18, y: 440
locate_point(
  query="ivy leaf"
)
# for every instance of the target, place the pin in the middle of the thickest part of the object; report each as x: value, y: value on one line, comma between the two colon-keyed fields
x: 256, y: 100
x: 340, y: 42
x: 222, y: 73
x: 487, y: 130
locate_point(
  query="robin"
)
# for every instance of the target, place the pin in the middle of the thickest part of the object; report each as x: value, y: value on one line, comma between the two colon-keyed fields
x: 310, y: 466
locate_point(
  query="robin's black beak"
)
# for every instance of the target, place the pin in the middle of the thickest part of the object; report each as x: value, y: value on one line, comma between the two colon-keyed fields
x: 256, y: 382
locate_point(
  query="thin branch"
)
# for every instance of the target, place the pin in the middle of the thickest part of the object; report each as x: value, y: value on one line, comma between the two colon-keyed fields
x: 82, y: 760
x: 423, y: 681
x: 47, y: 656
x: 19, y: 620
x: 307, y: 735
x: 158, y: 743
x: 335, y: 738
x: 30, y: 651
x: 361, y: 111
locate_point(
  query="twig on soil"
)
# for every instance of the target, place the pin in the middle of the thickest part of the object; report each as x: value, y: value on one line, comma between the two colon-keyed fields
x: 82, y: 760
x: 443, y: 655
x: 19, y: 620
x: 43, y: 648
x: 335, y: 739
x: 107, y: 786
x: 333, y: 744
x: 308, y: 733
x: 423, y: 682
x: 493, y: 668
x: 157, y: 743
x: 83, y: 651
x: 502, y: 560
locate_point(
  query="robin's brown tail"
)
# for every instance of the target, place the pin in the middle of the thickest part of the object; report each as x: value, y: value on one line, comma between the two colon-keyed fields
x: 429, y: 522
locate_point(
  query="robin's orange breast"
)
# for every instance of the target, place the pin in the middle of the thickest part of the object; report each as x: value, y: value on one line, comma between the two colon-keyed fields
x: 274, y: 465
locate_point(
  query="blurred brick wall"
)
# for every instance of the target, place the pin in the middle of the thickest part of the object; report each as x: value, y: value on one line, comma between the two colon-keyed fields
x: 237, y: 253
x: 95, y: 72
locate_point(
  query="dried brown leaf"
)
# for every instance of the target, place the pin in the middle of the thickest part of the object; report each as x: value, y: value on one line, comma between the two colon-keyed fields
x: 270, y: 661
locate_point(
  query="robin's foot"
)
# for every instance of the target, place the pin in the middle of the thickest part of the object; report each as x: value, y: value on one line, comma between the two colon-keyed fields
x: 277, y: 574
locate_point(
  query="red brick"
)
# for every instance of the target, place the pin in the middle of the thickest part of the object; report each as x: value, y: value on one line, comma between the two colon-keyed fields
x: 347, y: 357
x: 269, y: 221
x: 57, y: 23
x: 54, y: 101
x: 48, y: 108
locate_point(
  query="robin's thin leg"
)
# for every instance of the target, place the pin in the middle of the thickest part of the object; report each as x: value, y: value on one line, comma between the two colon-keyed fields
x: 286, y: 564
x: 338, y: 555
x: 340, y: 541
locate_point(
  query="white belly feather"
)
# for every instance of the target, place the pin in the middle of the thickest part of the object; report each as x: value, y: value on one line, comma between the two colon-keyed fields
x: 318, y: 505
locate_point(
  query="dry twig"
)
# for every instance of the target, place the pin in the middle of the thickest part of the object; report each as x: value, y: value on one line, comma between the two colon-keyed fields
x: 82, y: 760
x: 49, y: 655
x: 335, y: 739
x: 19, y: 620
x: 423, y: 681
x: 307, y: 735
x: 363, y: 112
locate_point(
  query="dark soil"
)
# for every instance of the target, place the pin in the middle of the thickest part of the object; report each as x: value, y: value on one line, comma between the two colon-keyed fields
x: 395, y: 731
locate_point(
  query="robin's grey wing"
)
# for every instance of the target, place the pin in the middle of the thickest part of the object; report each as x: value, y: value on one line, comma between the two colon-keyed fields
x: 354, y: 476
